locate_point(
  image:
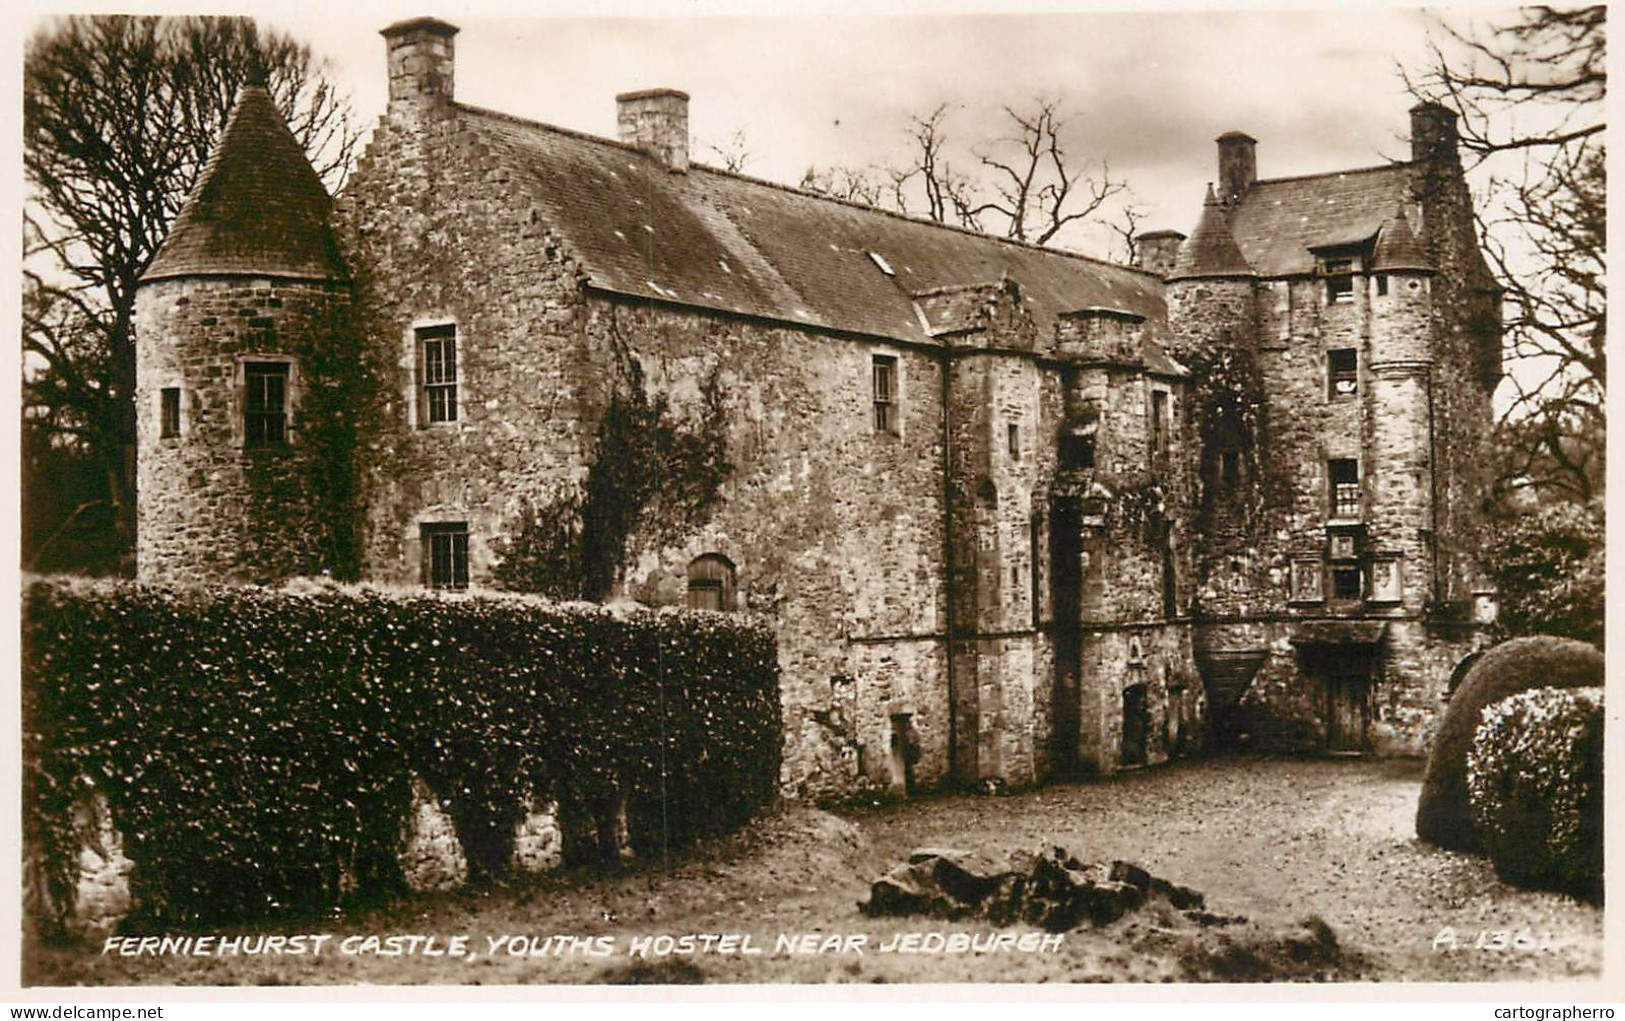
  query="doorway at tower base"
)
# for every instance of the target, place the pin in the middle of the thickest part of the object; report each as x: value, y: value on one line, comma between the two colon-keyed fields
x: 1140, y: 698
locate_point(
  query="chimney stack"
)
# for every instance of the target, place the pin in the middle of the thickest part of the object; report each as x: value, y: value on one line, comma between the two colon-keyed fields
x: 422, y: 59
x: 1238, y: 165
x: 1433, y: 133
x: 1156, y: 250
x: 656, y: 121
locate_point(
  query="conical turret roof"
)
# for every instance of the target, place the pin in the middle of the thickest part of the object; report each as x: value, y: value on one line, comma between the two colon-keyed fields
x: 258, y: 208
x: 1397, y: 248
x: 1211, y: 250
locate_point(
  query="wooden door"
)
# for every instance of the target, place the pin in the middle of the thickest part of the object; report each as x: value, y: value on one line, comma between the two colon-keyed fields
x: 1136, y: 725
x: 1348, y: 707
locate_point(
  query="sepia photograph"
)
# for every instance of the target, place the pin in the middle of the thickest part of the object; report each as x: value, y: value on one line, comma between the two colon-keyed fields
x: 675, y: 495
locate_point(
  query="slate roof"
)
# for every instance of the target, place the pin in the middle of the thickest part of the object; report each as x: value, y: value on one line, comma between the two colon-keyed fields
x: 257, y: 209
x: 1397, y: 247
x: 732, y: 243
x: 1211, y: 250
x: 1278, y: 222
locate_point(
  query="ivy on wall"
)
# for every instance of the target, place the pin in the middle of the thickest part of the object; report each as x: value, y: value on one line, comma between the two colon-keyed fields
x: 1227, y: 394
x: 651, y: 472
x: 304, y: 500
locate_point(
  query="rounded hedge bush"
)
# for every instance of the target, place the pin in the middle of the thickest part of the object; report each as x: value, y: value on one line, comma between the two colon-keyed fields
x: 1534, y: 774
x: 1444, y: 815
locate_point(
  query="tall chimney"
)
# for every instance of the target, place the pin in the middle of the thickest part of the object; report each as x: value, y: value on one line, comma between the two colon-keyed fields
x: 1238, y: 165
x: 656, y: 121
x: 1433, y: 133
x: 1156, y: 250
x: 422, y: 59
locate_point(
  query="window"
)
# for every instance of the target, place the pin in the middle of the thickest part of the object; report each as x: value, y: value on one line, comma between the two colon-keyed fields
x: 1339, y: 280
x: 1342, y: 372
x: 445, y: 555
x: 1346, y: 582
x: 885, y: 392
x: 1159, y: 423
x: 169, y: 412
x: 1382, y: 284
x: 1230, y: 469
x: 438, y: 351
x: 710, y: 583
x: 1078, y: 441
x: 265, y: 404
x: 1013, y: 435
x: 1343, y: 475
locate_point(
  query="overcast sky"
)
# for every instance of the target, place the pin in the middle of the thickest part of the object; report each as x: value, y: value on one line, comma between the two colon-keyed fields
x: 1146, y: 89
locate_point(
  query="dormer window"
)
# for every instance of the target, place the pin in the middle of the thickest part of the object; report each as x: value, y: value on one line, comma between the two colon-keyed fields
x: 1339, y: 281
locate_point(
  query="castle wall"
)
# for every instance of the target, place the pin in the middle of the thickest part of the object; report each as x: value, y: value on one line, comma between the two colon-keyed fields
x: 1385, y: 427
x: 434, y: 247
x: 833, y: 527
x: 213, y: 505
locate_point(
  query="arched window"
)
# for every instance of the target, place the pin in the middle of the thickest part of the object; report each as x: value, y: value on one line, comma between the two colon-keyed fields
x: 711, y: 582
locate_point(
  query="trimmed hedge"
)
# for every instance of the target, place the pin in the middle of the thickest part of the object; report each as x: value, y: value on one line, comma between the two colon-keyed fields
x: 1535, y: 775
x: 256, y: 746
x: 1444, y: 815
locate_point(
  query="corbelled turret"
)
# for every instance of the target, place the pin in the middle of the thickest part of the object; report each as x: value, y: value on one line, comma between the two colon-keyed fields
x: 1211, y: 250
x: 1397, y: 249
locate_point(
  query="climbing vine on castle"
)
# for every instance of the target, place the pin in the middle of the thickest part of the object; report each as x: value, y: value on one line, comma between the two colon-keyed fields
x: 651, y: 470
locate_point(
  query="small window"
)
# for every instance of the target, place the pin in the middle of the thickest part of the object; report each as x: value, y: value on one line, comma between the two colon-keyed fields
x: 1382, y: 284
x: 438, y: 354
x: 169, y: 412
x: 445, y: 555
x: 1077, y: 446
x: 1342, y: 372
x: 1230, y: 469
x: 885, y: 393
x: 1343, y: 475
x: 1013, y: 435
x: 265, y: 404
x: 710, y: 583
x: 1339, y: 274
x: 1346, y: 582
x: 1159, y: 423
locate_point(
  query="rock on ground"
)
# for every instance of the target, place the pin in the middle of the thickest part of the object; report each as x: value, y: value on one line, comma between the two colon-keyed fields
x: 1049, y: 888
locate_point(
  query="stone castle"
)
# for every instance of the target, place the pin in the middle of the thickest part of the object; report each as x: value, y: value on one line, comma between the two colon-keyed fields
x: 1014, y: 512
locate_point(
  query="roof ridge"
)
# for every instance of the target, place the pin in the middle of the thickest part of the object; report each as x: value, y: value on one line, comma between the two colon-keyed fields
x: 791, y: 189
x: 1395, y: 165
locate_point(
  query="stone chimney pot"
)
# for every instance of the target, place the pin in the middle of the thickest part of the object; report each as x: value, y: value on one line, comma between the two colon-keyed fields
x: 656, y: 121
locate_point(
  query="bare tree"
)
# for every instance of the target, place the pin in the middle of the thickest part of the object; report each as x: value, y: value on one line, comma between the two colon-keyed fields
x: 1531, y: 93
x: 732, y: 153
x: 1024, y: 185
x: 119, y: 116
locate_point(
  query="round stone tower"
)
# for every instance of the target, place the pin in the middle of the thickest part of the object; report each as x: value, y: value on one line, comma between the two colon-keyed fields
x: 1210, y: 291
x: 1399, y: 419
x: 239, y: 327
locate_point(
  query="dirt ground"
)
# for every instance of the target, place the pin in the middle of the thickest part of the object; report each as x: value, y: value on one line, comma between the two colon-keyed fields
x: 1278, y: 841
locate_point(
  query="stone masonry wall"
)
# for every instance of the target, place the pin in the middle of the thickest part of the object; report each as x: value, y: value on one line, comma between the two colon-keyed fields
x: 211, y: 506
x: 1157, y: 657
x: 1385, y: 428
x: 416, y: 217
x: 833, y: 528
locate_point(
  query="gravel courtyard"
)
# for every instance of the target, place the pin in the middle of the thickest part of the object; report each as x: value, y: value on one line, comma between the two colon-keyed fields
x: 1277, y: 841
